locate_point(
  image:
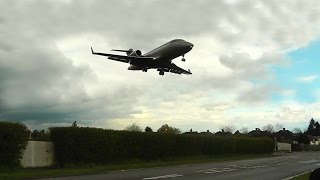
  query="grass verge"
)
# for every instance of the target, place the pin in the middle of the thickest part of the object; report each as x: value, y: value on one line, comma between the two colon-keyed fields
x: 302, y: 177
x: 33, y: 173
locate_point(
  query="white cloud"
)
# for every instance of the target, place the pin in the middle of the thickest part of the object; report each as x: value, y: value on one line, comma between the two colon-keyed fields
x: 307, y: 79
x: 45, y: 48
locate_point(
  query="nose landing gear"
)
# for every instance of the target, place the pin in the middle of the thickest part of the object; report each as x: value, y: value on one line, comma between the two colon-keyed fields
x: 161, y: 73
x: 183, y: 59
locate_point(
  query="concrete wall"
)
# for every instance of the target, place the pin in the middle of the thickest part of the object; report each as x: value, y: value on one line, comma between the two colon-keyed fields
x: 284, y: 147
x: 38, y: 154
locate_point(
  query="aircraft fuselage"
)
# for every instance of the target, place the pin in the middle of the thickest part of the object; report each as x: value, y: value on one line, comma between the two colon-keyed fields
x: 165, y: 53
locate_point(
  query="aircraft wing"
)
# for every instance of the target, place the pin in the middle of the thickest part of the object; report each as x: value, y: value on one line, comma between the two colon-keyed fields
x: 175, y: 69
x: 121, y: 58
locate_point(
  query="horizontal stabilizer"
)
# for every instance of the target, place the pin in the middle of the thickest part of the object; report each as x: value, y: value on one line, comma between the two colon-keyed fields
x: 120, y: 50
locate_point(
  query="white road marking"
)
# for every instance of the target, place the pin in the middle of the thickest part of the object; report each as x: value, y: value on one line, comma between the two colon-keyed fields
x: 234, y: 167
x: 219, y: 171
x: 310, y: 161
x: 163, y: 177
x: 279, y: 164
x: 204, y: 170
x: 249, y: 166
x: 258, y: 166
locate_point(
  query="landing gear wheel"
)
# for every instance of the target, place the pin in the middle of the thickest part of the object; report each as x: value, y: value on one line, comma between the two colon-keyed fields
x: 161, y: 73
x: 183, y: 59
x: 145, y: 70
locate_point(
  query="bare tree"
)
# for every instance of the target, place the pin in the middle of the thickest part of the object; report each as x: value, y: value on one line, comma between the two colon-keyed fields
x: 244, y: 130
x: 297, y: 130
x: 133, y: 127
x: 269, y: 128
x: 228, y: 128
x: 278, y: 127
x: 148, y: 129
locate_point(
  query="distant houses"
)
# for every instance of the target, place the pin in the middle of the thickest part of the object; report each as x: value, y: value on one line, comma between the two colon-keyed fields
x: 310, y: 136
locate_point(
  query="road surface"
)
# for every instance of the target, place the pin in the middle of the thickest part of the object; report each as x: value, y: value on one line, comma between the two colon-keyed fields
x: 279, y: 167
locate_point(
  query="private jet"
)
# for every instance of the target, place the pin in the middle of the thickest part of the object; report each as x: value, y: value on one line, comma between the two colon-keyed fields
x: 159, y: 58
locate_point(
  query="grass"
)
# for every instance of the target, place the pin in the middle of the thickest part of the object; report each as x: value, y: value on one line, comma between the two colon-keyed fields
x: 32, y: 173
x: 302, y: 177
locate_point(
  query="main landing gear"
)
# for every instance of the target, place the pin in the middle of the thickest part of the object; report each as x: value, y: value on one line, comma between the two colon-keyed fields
x: 144, y: 69
x: 183, y: 59
x: 161, y: 73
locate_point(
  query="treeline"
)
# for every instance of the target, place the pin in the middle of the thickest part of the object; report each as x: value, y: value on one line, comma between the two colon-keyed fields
x: 77, y: 145
x: 313, y: 128
x: 99, y: 146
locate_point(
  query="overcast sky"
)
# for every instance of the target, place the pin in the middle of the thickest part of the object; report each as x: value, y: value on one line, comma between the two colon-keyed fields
x: 253, y: 63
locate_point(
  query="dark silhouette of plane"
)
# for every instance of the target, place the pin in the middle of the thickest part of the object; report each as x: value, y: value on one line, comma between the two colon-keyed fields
x: 159, y: 58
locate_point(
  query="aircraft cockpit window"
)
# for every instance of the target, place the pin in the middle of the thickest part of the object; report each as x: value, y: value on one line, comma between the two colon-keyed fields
x: 176, y: 40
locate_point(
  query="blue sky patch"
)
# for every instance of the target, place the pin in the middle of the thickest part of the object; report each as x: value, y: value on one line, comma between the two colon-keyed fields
x: 302, y: 75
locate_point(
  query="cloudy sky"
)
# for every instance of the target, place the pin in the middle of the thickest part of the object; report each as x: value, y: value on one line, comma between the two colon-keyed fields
x: 253, y: 62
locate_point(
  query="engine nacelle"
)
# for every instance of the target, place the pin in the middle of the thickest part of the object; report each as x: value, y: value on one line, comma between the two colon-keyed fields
x: 135, y: 53
x: 134, y: 68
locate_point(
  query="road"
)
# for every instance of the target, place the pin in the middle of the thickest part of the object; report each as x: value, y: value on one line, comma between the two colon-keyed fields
x: 279, y: 167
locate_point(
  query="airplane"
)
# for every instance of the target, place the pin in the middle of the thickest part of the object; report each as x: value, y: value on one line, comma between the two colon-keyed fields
x: 159, y: 58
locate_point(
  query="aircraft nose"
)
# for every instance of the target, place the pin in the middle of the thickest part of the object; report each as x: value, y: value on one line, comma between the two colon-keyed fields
x: 190, y: 45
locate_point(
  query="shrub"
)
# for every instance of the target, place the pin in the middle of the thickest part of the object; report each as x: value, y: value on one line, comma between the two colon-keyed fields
x: 92, y: 145
x: 13, y: 140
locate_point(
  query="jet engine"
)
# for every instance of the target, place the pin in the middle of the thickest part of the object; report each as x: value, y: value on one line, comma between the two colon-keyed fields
x: 134, y: 68
x: 129, y: 52
x: 135, y: 53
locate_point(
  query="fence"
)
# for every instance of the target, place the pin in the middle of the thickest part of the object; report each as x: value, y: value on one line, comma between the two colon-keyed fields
x: 38, y: 154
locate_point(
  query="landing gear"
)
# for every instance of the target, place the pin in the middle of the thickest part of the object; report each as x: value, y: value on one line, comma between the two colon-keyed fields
x: 183, y: 59
x: 144, y: 69
x: 161, y: 73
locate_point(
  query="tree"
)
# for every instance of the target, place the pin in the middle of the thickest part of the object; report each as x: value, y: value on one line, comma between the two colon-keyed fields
x: 133, y: 127
x: 311, y: 128
x: 278, y: 127
x: 74, y: 124
x: 37, y: 135
x: 317, y: 129
x: 228, y: 128
x: 303, y: 139
x: 237, y: 132
x: 311, y: 124
x: 317, y: 125
x: 297, y: 130
x: 269, y: 128
x: 148, y: 129
x: 168, y: 129
x: 244, y: 130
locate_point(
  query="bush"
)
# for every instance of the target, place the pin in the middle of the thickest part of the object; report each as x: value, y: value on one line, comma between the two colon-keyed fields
x: 13, y: 140
x: 92, y: 145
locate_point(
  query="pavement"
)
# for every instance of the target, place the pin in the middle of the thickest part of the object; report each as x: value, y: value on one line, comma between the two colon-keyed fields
x: 281, y: 167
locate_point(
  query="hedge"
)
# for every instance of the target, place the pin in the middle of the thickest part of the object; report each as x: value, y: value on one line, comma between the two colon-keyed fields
x: 98, y: 146
x: 13, y: 140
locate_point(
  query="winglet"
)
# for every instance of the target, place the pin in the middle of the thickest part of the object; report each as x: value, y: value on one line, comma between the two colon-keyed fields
x: 92, y: 51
